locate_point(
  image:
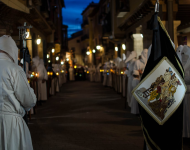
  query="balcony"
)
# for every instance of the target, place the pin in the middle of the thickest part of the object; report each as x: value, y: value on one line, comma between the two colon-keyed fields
x: 122, y: 8
x: 106, y: 24
x: 84, y: 37
x: 85, y: 22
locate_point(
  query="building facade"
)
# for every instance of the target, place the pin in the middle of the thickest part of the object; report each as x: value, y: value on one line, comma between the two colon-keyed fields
x: 115, y: 27
x: 46, y: 20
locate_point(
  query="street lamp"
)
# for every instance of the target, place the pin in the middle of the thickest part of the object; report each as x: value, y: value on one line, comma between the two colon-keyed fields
x: 27, y: 34
x: 116, y: 48
x: 94, y: 51
x: 98, y: 47
x: 49, y: 61
x: 62, y: 63
x: 38, y: 40
x: 123, y: 46
x: 57, y: 58
x: 87, y: 53
x: 53, y: 50
x: 47, y: 55
x: 67, y: 59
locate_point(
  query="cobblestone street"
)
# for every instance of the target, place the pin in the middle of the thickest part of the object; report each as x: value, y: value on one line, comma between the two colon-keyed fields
x: 86, y: 116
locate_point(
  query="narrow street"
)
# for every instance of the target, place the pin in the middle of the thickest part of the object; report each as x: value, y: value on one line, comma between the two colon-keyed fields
x: 85, y: 116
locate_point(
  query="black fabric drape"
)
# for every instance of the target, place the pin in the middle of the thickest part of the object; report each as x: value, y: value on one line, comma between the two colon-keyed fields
x: 169, y: 135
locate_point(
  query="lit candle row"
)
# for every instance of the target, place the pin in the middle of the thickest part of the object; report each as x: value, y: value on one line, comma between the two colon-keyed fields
x: 50, y: 73
x: 34, y: 74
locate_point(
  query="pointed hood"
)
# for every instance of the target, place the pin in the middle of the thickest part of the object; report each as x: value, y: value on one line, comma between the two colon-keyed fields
x: 132, y: 55
x: 8, y: 45
x: 123, y: 56
x: 36, y: 61
x: 185, y: 57
x: 117, y: 61
x: 144, y: 56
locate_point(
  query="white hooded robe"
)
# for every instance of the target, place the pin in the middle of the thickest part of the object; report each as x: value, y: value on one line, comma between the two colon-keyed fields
x: 42, y: 87
x: 71, y: 74
x: 131, y: 59
x: 186, y: 102
x: 134, y: 103
x: 16, y: 97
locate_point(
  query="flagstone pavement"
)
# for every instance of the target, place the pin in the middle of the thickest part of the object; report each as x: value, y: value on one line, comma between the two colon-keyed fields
x: 86, y: 116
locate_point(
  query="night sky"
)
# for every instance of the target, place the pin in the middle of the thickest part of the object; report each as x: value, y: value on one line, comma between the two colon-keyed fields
x: 72, y: 14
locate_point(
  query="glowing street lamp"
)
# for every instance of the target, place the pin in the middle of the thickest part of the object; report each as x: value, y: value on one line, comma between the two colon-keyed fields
x: 57, y: 58
x: 87, y: 53
x: 94, y: 51
x: 116, y: 48
x: 62, y: 63
x: 47, y: 55
x: 38, y: 40
x: 27, y: 34
x: 53, y: 50
x: 49, y: 61
x: 98, y: 47
x: 67, y: 59
x: 123, y: 46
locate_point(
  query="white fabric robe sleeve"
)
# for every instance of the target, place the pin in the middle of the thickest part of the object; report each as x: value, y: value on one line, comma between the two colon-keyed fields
x: 24, y: 94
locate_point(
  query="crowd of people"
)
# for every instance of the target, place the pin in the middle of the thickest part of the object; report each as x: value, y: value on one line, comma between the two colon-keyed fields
x: 22, y: 89
x: 124, y: 74
x: 19, y: 90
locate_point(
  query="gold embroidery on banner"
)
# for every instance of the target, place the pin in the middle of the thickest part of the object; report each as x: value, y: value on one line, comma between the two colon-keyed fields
x: 153, y: 143
x: 163, y: 27
x: 141, y: 103
x: 146, y: 141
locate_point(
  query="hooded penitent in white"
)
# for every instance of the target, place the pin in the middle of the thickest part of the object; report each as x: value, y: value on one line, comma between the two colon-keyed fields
x: 71, y: 74
x: 98, y: 73
x: 8, y: 45
x: 131, y: 60
x: 38, y: 66
x: 134, y: 103
x: 56, y: 69
x: 92, y: 71
x: 42, y: 88
x: 141, y: 63
x: 178, y: 51
x: 106, y: 67
x: 122, y: 62
x: 60, y: 74
x: 185, y: 55
x: 17, y: 98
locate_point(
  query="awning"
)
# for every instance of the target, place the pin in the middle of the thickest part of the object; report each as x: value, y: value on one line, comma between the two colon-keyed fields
x: 15, y: 4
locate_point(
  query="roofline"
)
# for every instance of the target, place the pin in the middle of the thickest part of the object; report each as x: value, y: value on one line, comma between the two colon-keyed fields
x: 90, y: 5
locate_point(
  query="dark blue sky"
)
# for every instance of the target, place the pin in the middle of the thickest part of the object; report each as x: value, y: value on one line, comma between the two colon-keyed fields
x: 72, y: 14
